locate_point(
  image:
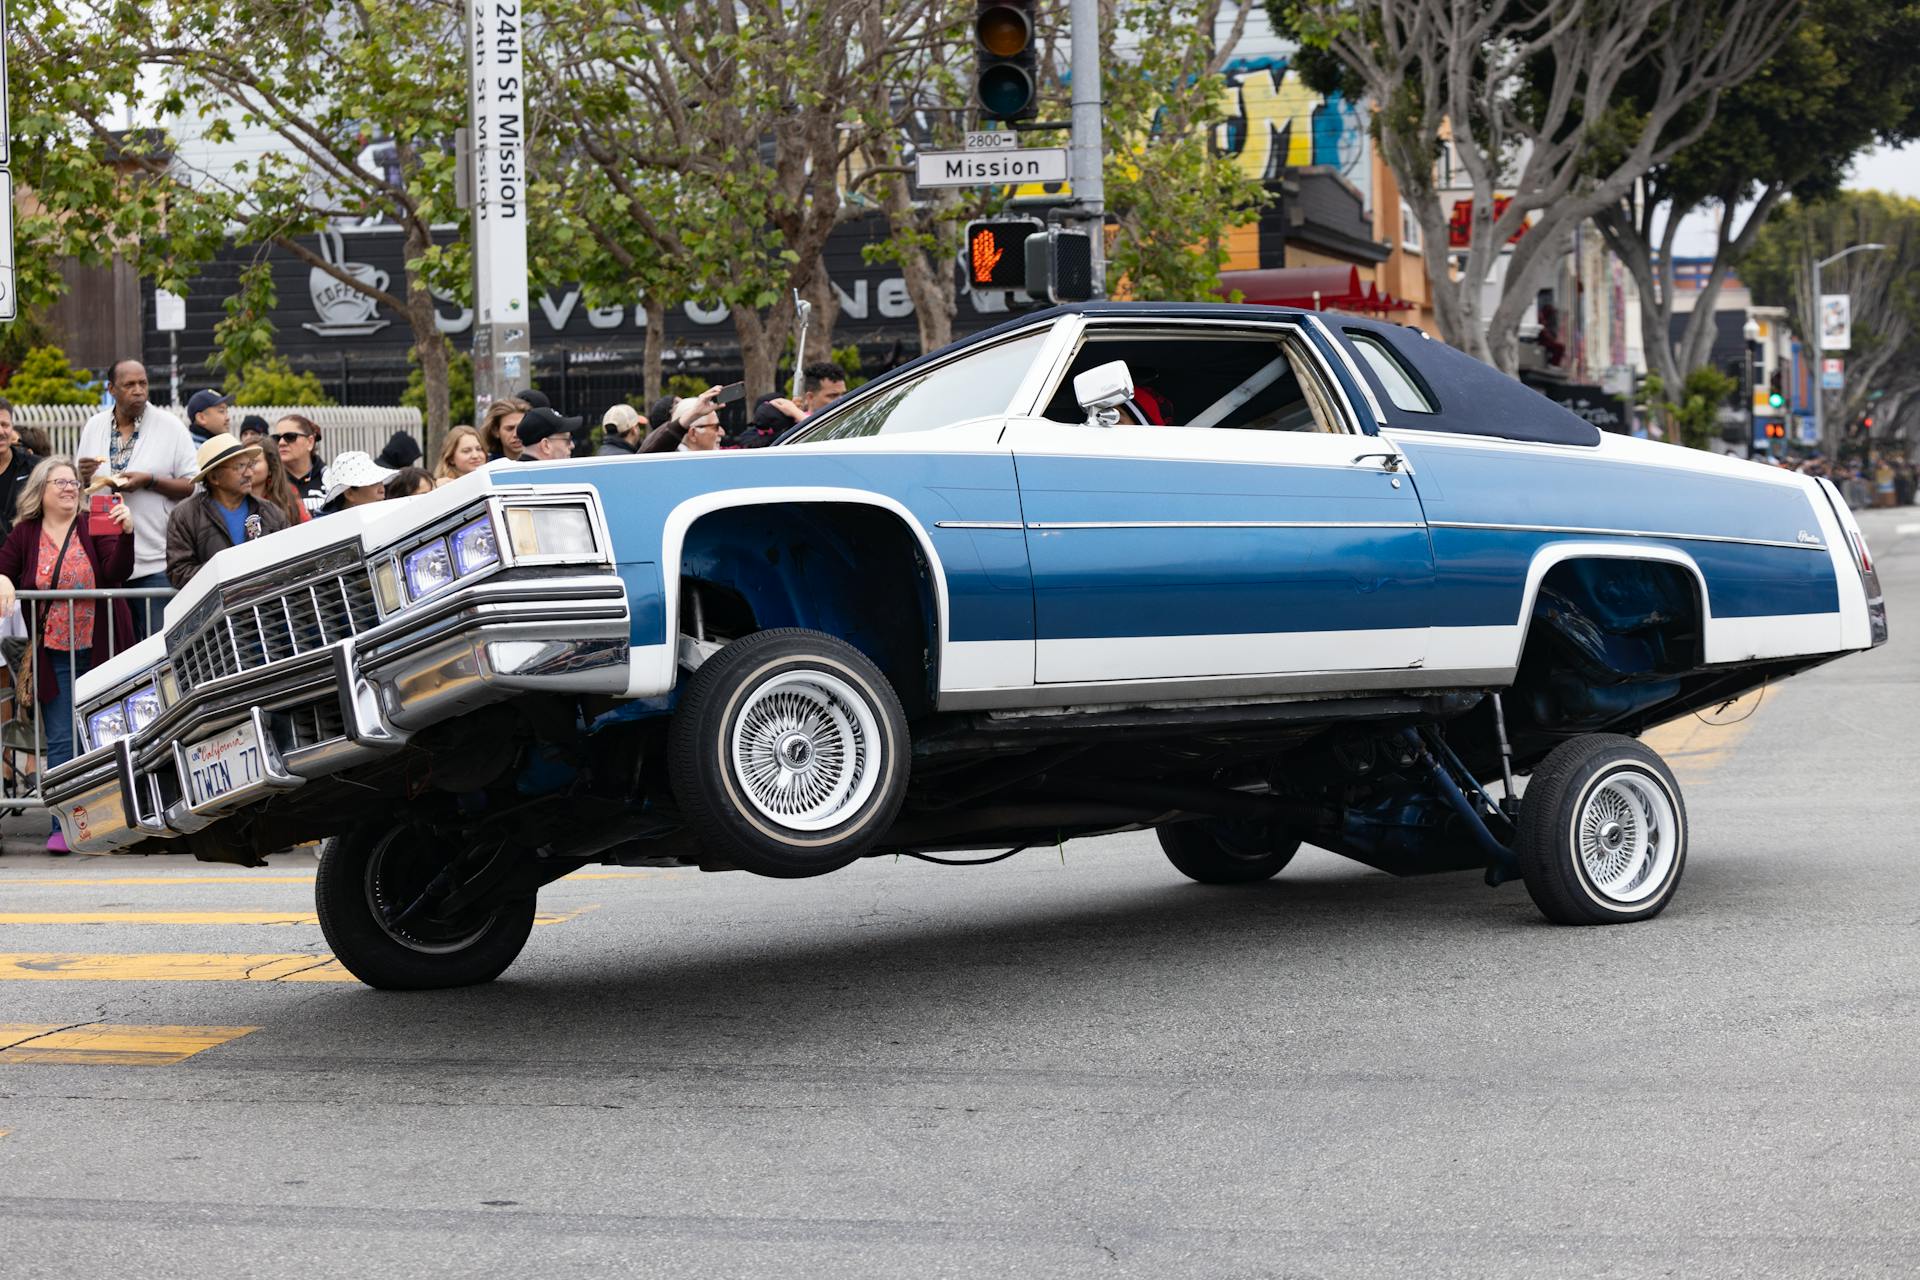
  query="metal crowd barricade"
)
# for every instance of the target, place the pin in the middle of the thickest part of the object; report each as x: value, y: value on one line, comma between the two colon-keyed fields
x: 23, y: 737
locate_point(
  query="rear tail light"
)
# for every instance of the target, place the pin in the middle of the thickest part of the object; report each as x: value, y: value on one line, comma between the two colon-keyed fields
x: 1860, y: 551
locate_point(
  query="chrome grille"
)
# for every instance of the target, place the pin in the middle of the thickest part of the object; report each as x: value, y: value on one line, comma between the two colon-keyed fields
x: 272, y: 627
x: 309, y: 725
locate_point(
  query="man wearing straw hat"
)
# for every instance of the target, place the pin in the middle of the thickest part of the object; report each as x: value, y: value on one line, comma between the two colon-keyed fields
x: 222, y: 512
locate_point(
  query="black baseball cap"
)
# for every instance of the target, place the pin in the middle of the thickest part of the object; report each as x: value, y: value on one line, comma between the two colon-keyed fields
x: 541, y: 422
x: 201, y: 401
x: 533, y: 399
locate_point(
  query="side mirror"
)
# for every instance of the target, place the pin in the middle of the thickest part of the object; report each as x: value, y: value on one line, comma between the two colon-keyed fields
x: 1101, y: 390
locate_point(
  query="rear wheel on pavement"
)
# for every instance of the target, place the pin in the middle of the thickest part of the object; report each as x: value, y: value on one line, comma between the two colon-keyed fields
x: 403, y: 912
x: 1603, y: 832
x: 1224, y: 851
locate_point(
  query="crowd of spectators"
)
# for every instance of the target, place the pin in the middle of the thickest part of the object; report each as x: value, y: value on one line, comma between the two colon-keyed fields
x: 1880, y: 479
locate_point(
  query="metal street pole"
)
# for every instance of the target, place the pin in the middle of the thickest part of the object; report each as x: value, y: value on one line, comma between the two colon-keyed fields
x: 1819, y: 346
x: 1086, y: 151
x: 1751, y: 333
x: 496, y: 89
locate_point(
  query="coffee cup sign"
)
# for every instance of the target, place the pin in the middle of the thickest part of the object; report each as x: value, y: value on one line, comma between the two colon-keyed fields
x: 344, y: 310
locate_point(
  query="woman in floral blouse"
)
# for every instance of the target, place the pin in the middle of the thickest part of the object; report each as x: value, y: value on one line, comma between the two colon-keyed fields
x: 51, y: 549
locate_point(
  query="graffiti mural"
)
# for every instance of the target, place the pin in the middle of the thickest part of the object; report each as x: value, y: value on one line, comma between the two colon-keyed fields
x: 1279, y: 123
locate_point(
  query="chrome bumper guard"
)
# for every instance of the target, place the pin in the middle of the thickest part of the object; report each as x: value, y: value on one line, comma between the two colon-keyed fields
x: 561, y: 634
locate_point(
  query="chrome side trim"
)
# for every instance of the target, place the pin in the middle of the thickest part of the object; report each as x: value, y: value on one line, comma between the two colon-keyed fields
x: 1815, y: 545
x: 1208, y: 687
x: 976, y: 524
x: 1222, y: 524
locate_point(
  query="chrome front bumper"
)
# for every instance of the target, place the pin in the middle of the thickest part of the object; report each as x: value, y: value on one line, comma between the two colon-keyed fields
x: 353, y: 702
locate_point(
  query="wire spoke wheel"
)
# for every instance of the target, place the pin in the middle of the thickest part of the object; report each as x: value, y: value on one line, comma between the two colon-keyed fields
x: 788, y: 753
x: 1602, y: 832
x: 1626, y: 836
x: 803, y: 749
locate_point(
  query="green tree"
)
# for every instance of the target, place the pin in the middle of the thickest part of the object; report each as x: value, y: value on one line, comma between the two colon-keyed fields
x: 272, y: 381
x: 459, y: 384
x: 1172, y: 194
x: 1883, y: 287
x: 1844, y: 79
x: 361, y: 99
x: 1524, y: 103
x: 1693, y: 419
x: 45, y: 377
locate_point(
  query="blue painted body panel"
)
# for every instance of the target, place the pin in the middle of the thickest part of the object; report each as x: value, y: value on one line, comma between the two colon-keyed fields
x: 989, y: 591
x: 1199, y: 581
x: 1481, y: 574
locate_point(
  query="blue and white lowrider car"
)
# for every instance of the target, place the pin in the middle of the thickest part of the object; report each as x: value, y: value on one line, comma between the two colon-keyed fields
x: 1247, y: 576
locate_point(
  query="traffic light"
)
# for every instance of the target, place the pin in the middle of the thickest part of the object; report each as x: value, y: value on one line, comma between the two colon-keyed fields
x: 1060, y: 265
x: 1776, y: 430
x: 1007, y: 62
x: 996, y: 255
x: 1776, y: 397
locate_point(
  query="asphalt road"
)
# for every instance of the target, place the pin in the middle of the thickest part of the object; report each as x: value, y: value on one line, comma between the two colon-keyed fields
x: 1061, y: 1065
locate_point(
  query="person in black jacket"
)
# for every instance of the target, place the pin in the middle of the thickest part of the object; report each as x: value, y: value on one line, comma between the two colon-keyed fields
x: 222, y: 512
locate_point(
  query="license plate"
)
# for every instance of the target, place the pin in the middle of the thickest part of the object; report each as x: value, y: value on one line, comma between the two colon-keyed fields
x: 232, y: 760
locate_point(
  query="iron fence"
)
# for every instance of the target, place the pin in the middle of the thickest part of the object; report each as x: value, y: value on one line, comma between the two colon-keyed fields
x: 23, y: 717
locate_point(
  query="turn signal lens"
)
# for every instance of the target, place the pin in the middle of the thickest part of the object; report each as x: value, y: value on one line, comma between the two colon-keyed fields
x: 386, y: 585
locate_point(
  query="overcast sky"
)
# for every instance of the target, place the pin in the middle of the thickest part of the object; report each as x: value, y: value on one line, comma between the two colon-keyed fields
x: 1891, y: 169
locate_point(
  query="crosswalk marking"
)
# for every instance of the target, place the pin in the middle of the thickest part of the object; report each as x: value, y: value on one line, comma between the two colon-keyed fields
x: 107, y: 1044
x: 216, y: 917
x: 168, y: 966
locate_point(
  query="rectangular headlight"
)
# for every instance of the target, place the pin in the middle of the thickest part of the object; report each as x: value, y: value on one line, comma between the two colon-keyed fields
x: 475, y: 546
x: 143, y: 707
x: 107, y: 725
x: 550, y: 531
x: 428, y: 569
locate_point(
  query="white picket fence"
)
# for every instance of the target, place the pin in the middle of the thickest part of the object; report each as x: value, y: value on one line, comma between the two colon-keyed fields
x: 342, y: 427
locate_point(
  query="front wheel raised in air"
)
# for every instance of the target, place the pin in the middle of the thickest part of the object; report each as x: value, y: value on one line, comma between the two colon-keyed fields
x: 1603, y: 832
x: 789, y: 753
x: 1225, y: 851
x: 406, y: 913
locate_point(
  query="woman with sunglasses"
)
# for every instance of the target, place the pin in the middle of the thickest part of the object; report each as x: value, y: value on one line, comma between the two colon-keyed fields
x: 295, y: 437
x: 52, y: 549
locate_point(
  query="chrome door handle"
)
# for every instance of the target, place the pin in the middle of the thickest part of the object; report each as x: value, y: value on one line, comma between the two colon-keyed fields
x: 1389, y: 461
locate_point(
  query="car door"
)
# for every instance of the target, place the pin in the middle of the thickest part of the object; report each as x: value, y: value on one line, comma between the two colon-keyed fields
x: 1262, y: 535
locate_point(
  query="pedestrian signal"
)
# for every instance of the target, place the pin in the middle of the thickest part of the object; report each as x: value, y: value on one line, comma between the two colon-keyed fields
x: 995, y: 255
x: 1060, y: 265
x: 1007, y: 64
x: 1776, y: 430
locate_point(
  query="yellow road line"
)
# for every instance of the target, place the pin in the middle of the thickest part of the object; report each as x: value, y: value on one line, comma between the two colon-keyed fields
x: 104, y: 1044
x: 31, y: 966
x: 1693, y: 748
x: 7, y: 881
x: 214, y: 917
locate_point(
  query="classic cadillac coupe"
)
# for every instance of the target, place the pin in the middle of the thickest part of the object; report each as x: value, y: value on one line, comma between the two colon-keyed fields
x: 1245, y: 576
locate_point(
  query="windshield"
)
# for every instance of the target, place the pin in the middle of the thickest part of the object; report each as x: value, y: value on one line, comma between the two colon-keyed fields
x: 974, y: 385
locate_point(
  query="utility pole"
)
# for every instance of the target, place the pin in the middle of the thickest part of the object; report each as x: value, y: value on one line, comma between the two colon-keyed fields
x: 1087, y: 148
x: 1819, y: 339
x: 496, y: 193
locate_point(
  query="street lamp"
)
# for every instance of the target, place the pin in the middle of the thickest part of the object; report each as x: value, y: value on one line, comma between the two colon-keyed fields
x: 1819, y: 346
x: 1751, y: 332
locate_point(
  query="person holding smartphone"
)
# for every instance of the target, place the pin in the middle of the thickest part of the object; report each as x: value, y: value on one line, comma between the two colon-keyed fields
x: 671, y: 434
x: 51, y: 549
